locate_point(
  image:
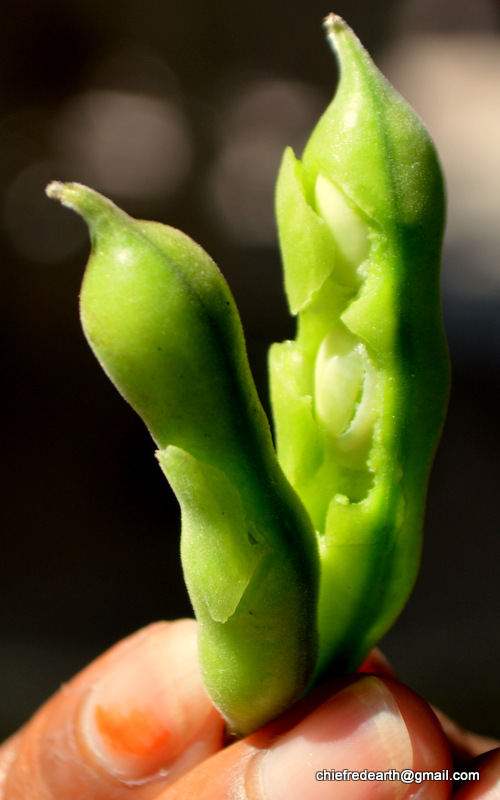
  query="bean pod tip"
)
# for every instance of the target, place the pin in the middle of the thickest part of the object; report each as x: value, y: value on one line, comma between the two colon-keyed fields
x: 333, y: 22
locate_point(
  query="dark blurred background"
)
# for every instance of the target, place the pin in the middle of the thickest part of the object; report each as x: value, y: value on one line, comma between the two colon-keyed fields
x: 179, y: 110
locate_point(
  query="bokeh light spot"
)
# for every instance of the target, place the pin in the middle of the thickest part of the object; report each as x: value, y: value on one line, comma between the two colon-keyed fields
x: 260, y: 117
x: 126, y: 144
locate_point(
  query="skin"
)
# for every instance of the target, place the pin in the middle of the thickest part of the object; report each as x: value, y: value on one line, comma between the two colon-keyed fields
x: 137, y: 724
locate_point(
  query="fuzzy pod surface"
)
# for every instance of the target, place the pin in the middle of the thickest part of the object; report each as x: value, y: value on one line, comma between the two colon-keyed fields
x: 162, y: 322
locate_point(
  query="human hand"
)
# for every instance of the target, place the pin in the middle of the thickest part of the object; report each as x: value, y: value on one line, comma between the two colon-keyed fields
x: 137, y: 724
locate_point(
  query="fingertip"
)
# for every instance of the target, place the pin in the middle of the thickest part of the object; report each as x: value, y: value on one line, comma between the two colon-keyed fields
x: 77, y: 739
x: 358, y: 728
x: 364, y: 724
x: 377, y: 664
x: 481, y: 778
x: 431, y: 752
x: 150, y: 712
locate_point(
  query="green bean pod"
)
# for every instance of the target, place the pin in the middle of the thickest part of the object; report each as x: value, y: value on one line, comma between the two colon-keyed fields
x: 359, y: 397
x: 162, y: 322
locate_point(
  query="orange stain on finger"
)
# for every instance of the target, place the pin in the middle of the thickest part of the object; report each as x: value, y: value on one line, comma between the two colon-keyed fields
x: 132, y: 732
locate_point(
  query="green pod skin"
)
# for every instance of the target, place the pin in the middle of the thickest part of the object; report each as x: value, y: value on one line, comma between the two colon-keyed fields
x: 359, y: 397
x: 162, y: 323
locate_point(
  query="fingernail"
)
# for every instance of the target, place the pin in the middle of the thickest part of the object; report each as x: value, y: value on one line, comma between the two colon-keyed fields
x: 150, y: 707
x: 360, y: 728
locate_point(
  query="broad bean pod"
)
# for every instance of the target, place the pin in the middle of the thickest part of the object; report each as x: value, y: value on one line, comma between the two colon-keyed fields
x: 359, y: 397
x: 163, y: 324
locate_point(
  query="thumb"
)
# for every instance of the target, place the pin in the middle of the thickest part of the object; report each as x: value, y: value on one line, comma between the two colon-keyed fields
x: 128, y: 725
x: 347, y: 744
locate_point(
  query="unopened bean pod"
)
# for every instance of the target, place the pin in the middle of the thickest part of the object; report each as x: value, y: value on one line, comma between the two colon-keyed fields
x: 163, y: 324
